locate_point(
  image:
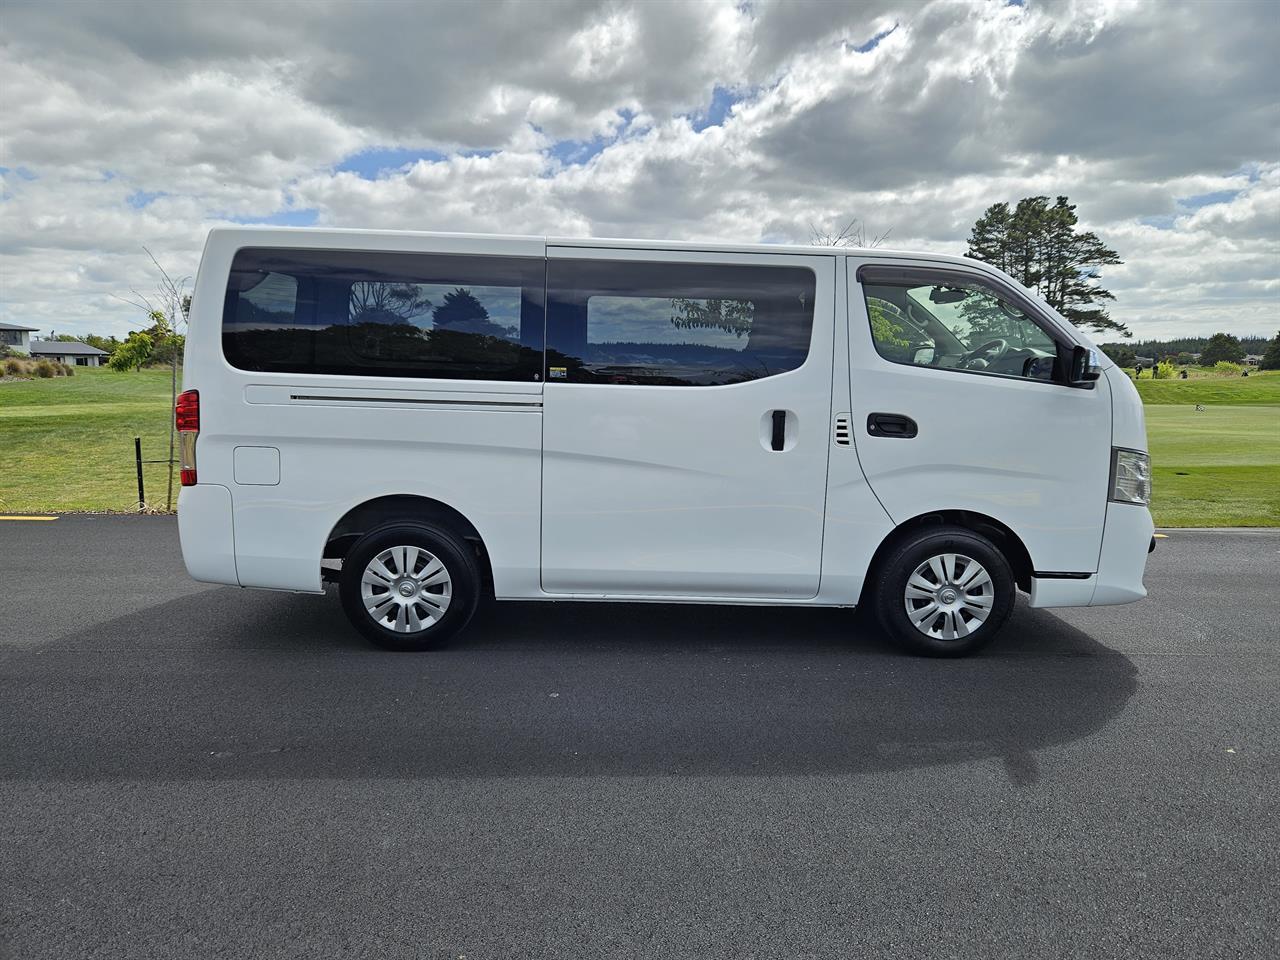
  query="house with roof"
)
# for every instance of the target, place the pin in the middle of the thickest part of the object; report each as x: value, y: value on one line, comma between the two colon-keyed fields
x: 72, y: 353
x: 16, y: 338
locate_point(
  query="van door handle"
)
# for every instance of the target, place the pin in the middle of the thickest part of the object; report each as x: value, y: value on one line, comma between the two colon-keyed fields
x: 779, y: 429
x: 891, y: 425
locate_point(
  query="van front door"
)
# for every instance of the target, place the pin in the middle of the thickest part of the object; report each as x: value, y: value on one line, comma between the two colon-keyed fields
x: 956, y: 406
x: 685, y: 424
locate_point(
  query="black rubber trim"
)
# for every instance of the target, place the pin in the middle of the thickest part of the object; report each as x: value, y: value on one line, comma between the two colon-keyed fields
x: 436, y: 403
x: 1060, y: 575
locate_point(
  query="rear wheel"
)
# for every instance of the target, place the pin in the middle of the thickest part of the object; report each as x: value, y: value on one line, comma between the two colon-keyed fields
x: 944, y: 592
x: 409, y: 586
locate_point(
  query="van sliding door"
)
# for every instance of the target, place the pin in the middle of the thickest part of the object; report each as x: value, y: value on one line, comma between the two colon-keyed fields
x: 687, y: 403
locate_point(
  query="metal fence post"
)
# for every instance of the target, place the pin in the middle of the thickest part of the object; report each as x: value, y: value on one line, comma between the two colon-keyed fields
x: 137, y: 455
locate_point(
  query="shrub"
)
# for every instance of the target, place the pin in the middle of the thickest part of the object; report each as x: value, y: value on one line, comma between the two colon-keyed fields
x: 45, y: 369
x: 68, y: 370
x: 1163, y: 371
x: 14, y: 367
x: 1228, y: 368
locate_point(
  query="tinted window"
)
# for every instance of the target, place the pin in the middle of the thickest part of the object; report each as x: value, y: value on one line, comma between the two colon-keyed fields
x: 384, y: 314
x: 675, y: 324
x: 957, y: 323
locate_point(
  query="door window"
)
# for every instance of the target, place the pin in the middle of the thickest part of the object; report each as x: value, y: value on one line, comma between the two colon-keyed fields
x: 675, y: 324
x: 957, y: 323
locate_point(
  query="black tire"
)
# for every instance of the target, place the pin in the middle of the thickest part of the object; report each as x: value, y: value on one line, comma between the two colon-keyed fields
x: 445, y: 546
x: 889, y: 593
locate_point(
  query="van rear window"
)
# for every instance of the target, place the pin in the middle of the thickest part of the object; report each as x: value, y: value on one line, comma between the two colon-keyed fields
x: 384, y: 314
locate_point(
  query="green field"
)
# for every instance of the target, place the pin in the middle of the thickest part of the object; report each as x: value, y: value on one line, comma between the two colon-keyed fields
x: 66, y: 444
x: 1219, y: 467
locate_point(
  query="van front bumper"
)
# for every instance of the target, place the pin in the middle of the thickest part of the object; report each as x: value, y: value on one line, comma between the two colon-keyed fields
x: 1127, y: 538
x: 1126, y: 542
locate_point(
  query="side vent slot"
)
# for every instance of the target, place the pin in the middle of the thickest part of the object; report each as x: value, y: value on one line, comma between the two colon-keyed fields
x: 844, y: 428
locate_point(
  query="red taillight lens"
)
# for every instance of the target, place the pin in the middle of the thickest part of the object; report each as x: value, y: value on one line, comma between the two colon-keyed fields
x: 186, y: 412
x: 186, y: 416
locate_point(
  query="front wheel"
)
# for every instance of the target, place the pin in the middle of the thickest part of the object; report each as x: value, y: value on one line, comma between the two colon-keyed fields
x: 409, y: 586
x: 944, y: 592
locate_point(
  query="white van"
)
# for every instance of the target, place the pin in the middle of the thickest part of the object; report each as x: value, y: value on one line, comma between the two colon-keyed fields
x: 432, y: 420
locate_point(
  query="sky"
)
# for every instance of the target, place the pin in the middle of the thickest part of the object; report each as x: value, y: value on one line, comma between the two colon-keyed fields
x: 128, y: 124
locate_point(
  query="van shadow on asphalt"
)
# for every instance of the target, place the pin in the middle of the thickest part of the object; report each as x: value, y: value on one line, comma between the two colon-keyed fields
x: 229, y: 684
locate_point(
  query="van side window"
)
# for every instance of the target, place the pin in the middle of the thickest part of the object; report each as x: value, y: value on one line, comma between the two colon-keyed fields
x: 957, y: 323
x: 384, y: 314
x: 675, y: 324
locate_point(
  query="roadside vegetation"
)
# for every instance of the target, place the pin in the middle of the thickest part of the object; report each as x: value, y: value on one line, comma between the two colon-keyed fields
x: 24, y: 368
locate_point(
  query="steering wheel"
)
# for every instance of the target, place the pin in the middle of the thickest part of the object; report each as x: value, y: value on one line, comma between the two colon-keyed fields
x: 984, y: 355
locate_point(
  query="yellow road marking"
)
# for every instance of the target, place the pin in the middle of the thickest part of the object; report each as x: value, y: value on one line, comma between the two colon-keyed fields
x: 1162, y: 536
x: 28, y: 518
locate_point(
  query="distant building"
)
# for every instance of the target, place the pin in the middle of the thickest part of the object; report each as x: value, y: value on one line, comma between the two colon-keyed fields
x: 73, y: 354
x: 17, y: 339
x: 1252, y: 359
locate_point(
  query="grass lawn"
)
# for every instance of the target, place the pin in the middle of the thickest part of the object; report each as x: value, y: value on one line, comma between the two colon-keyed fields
x: 1219, y: 467
x: 1257, y: 388
x: 66, y: 444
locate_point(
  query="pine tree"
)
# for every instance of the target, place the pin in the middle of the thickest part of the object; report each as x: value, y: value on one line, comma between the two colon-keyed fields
x: 1039, y: 245
x: 1221, y: 346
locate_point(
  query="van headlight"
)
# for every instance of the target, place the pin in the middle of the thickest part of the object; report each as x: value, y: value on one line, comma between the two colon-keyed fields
x: 1130, y: 476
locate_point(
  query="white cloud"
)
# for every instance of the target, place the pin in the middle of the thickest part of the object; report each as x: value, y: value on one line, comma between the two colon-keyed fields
x: 127, y: 124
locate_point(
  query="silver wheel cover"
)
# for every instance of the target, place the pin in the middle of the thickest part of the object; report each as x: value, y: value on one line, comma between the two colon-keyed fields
x: 949, y: 596
x: 406, y: 589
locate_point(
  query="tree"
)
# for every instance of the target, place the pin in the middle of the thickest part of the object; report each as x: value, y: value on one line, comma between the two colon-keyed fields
x: 1221, y: 346
x: 168, y: 309
x: 131, y: 354
x: 392, y: 303
x: 852, y: 234
x: 1039, y: 245
x: 1271, y: 357
x: 461, y: 312
x: 1121, y: 354
x: 731, y: 316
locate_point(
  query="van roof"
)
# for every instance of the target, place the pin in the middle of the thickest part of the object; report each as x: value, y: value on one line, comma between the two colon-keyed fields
x: 707, y: 246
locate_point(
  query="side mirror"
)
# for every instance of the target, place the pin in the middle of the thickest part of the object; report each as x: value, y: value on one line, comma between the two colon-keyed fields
x: 923, y: 357
x: 1081, y: 370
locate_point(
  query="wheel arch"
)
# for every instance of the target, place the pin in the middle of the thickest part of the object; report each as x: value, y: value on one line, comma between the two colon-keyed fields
x: 400, y: 508
x: 1000, y: 534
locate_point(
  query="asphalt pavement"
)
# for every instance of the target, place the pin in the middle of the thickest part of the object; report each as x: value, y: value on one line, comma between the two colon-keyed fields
x: 198, y: 771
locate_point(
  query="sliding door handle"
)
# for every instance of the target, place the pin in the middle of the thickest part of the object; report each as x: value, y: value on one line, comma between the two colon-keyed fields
x: 779, y: 429
x: 891, y: 425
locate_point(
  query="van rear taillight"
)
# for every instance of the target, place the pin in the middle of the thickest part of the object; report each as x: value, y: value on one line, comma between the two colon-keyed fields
x: 186, y: 417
